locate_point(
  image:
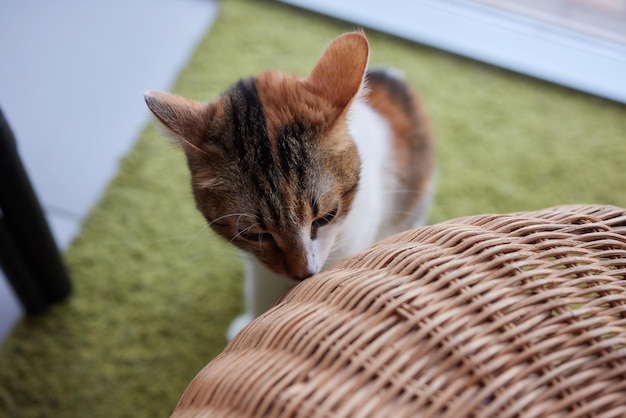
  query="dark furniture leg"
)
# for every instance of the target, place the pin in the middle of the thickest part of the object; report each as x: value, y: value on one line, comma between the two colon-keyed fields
x: 28, y: 253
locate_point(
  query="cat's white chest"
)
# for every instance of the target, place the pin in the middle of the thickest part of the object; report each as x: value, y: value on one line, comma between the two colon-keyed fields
x: 368, y: 219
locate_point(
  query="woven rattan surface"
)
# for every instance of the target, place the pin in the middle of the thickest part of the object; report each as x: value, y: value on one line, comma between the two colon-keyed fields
x: 521, y: 314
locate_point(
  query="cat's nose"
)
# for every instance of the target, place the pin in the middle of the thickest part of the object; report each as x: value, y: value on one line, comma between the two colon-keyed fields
x: 300, y: 265
x: 301, y: 271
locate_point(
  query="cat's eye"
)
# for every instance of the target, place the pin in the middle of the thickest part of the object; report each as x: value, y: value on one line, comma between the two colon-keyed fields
x: 322, y: 221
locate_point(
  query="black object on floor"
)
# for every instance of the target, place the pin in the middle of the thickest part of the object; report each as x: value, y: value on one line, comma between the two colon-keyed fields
x: 28, y: 253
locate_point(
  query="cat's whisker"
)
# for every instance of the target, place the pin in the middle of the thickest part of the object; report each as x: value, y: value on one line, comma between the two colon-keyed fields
x: 415, y: 216
x: 410, y: 191
x: 239, y: 215
x: 185, y: 238
x: 240, y: 233
x: 403, y: 212
x: 195, y: 236
x: 260, y: 242
x: 239, y: 220
x: 337, y: 245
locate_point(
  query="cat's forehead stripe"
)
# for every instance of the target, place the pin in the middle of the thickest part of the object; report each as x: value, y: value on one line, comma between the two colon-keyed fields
x: 272, y: 164
x: 285, y: 153
x: 247, y: 118
x: 251, y: 144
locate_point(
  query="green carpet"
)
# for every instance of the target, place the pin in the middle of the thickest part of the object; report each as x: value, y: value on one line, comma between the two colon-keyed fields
x: 155, y: 290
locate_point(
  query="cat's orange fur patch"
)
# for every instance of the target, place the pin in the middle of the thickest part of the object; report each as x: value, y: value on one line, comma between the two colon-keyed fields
x: 324, y: 95
x: 286, y: 100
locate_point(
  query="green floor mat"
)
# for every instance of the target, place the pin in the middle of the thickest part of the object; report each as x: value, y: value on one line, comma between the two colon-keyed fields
x: 155, y: 290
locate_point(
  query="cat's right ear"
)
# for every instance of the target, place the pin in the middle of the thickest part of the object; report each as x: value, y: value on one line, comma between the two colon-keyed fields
x: 183, y: 118
x: 339, y: 73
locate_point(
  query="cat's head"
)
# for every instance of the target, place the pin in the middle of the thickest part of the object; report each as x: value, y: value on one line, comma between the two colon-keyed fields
x: 273, y: 167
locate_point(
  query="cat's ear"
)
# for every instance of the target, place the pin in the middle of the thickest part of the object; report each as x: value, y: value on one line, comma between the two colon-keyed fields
x: 339, y: 73
x: 184, y: 118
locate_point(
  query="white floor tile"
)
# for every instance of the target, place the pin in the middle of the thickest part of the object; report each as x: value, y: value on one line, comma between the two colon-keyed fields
x: 72, y: 79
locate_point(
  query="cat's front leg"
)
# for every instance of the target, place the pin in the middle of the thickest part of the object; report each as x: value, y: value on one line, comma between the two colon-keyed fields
x: 261, y: 288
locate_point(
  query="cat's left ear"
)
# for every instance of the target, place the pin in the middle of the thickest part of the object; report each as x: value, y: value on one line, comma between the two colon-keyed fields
x: 339, y: 73
x: 184, y: 118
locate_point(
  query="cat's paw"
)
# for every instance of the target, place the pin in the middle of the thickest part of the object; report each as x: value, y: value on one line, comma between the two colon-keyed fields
x: 237, y: 325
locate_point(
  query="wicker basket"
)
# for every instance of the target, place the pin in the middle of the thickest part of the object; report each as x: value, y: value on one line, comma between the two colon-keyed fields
x: 521, y: 314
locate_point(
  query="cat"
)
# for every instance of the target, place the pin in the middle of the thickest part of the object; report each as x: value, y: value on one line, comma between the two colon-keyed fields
x: 301, y: 172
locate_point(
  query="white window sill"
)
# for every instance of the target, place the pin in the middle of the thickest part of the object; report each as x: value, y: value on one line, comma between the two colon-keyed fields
x: 497, y: 37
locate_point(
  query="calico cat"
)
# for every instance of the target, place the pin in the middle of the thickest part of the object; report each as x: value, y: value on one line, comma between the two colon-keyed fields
x: 300, y: 172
